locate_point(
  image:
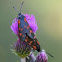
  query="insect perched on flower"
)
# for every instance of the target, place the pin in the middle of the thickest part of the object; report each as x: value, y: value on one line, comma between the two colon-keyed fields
x: 26, y: 33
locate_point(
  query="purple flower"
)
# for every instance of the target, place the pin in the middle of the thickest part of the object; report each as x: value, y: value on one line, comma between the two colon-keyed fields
x: 21, y: 49
x: 31, y: 21
x: 42, y: 57
x: 14, y: 26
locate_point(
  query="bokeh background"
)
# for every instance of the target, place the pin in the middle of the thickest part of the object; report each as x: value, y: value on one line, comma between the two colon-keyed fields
x: 48, y: 14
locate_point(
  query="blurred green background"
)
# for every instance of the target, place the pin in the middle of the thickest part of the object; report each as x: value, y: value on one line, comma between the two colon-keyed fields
x: 48, y: 14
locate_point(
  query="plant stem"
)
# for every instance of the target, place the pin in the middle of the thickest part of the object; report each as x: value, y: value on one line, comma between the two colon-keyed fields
x: 23, y: 60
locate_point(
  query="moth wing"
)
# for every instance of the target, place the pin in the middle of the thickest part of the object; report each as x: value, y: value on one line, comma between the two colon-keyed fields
x: 28, y: 29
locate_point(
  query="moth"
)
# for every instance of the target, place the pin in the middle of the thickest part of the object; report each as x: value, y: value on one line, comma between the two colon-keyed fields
x: 26, y: 34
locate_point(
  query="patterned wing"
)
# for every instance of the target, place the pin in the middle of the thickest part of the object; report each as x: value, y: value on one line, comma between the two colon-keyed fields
x: 31, y: 38
x: 24, y: 28
x: 21, y: 28
x: 33, y: 43
x: 28, y: 30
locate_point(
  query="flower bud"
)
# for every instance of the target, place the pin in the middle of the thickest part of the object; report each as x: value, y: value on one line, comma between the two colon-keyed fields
x: 42, y: 57
x: 21, y: 49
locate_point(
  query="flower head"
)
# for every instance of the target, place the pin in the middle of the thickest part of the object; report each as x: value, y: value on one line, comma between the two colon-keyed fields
x: 21, y: 49
x: 31, y: 21
x: 42, y: 57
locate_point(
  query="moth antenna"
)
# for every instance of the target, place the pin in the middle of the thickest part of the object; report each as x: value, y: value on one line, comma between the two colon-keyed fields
x: 15, y: 9
x: 21, y: 5
x: 49, y: 54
